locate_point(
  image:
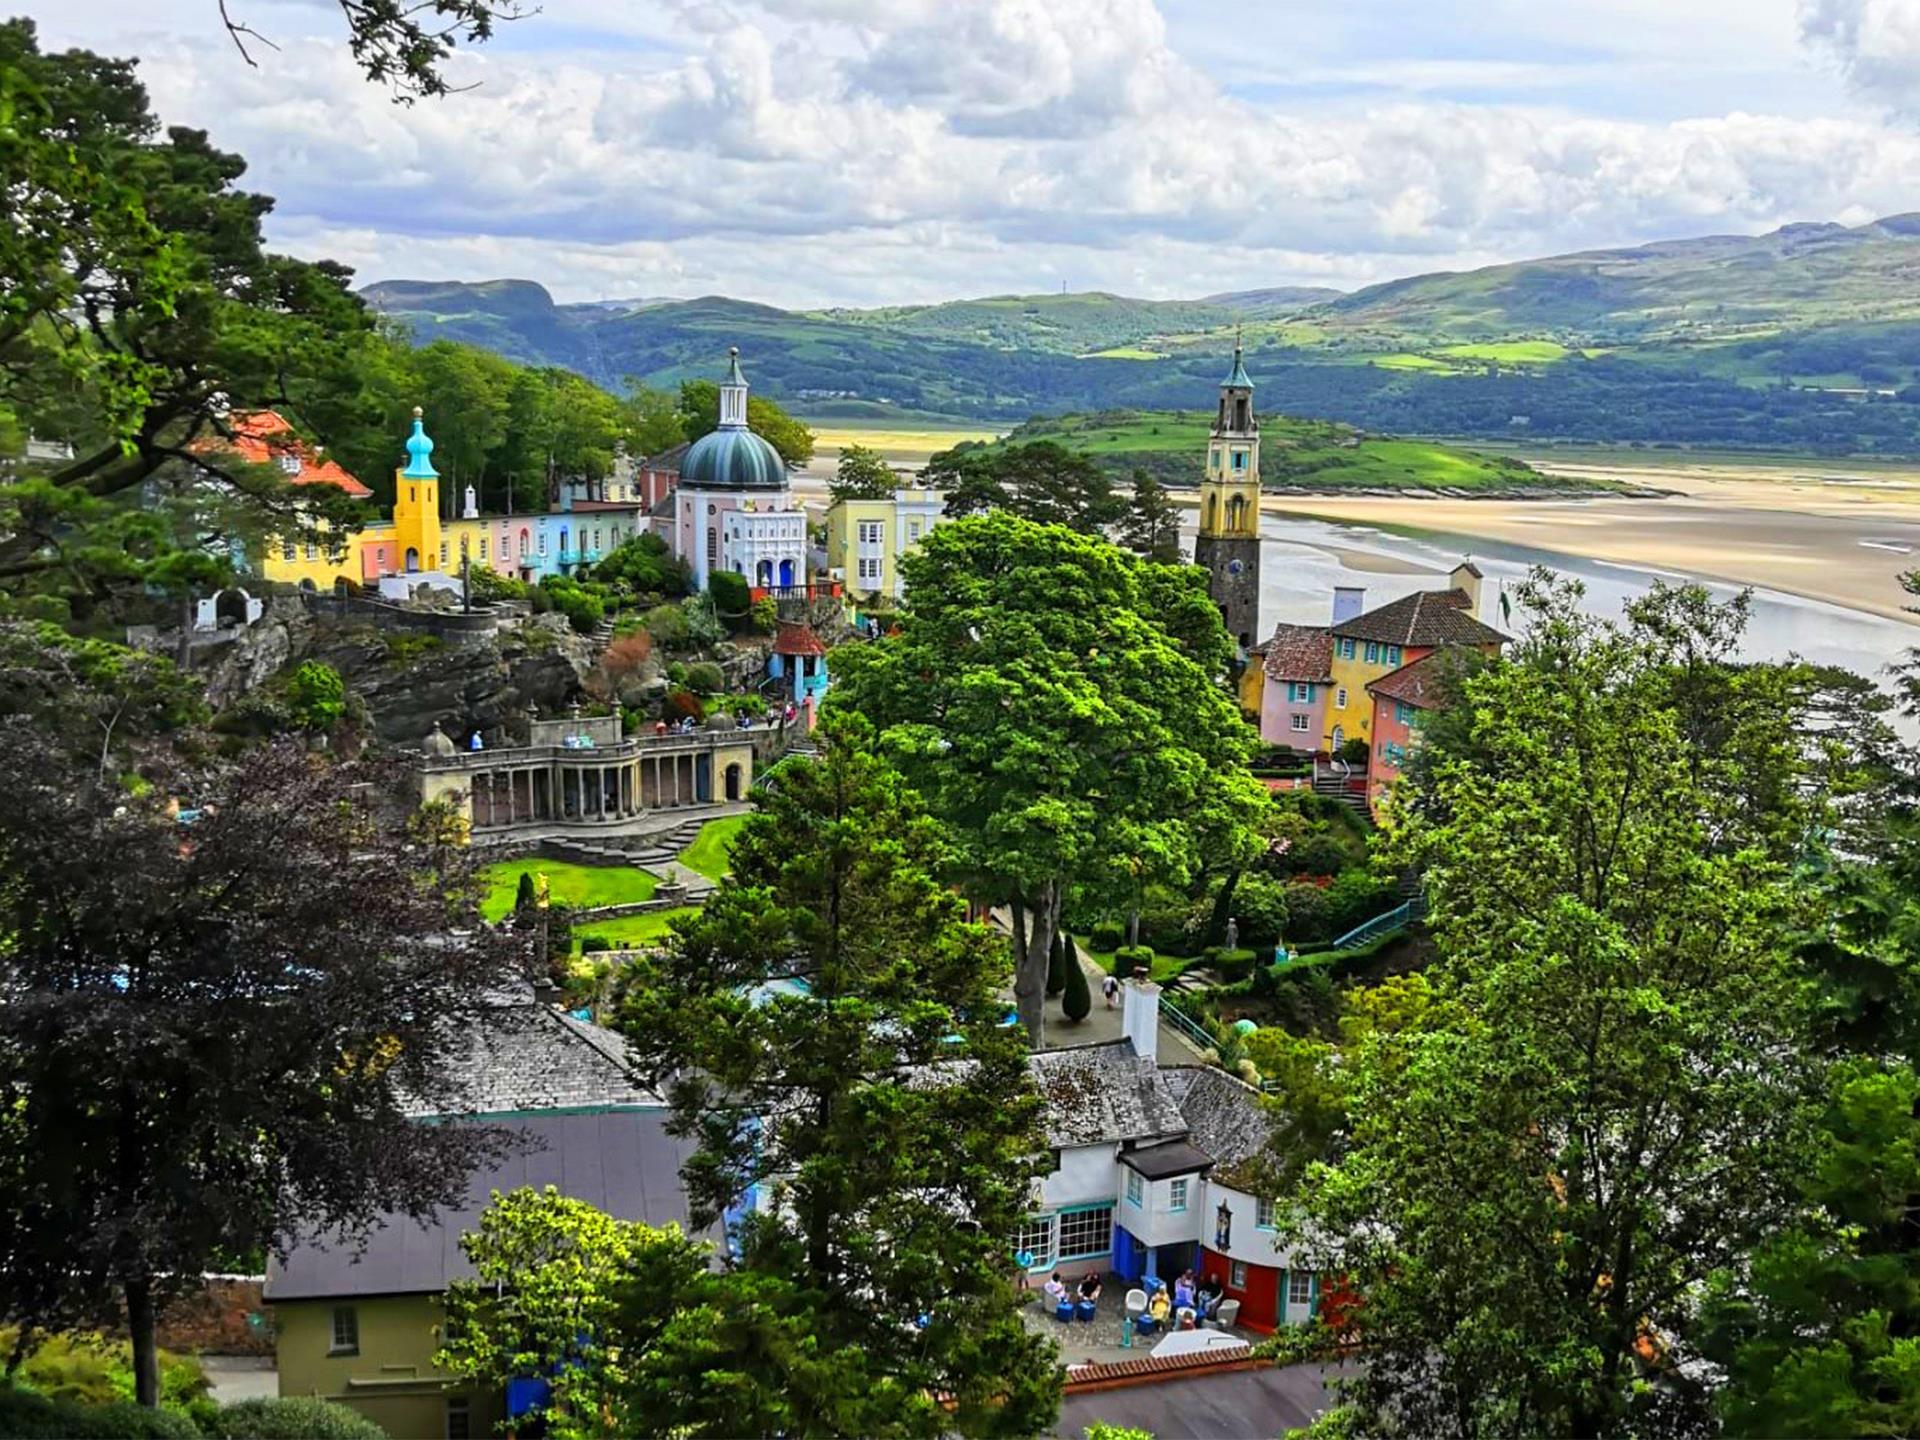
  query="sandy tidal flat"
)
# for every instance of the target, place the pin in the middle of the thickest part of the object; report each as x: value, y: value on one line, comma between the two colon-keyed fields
x: 1805, y: 530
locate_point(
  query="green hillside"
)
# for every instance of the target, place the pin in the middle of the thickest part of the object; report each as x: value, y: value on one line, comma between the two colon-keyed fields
x: 1805, y: 340
x: 1304, y: 455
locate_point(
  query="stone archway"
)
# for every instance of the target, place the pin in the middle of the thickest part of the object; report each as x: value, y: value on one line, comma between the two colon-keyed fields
x: 230, y: 606
x: 733, y: 781
x: 412, y: 561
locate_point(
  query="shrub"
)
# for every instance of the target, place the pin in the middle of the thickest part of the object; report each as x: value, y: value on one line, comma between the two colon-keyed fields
x: 1076, y: 1000
x: 583, y: 609
x: 682, y: 703
x: 316, y: 696
x: 1355, y: 751
x: 1234, y: 965
x: 27, y: 1416
x: 732, y: 597
x: 1133, y: 960
x: 294, y: 1417
x: 1107, y: 935
x: 594, y: 944
x: 704, y: 677
x: 1309, y: 917
x: 489, y: 585
x: 1318, y: 854
x: 1260, y: 910
x: 764, y: 615
x: 667, y: 624
x: 1355, y: 897
x: 627, y: 655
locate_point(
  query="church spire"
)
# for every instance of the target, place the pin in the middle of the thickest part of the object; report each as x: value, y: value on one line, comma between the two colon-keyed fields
x: 733, y: 394
x: 1237, y: 379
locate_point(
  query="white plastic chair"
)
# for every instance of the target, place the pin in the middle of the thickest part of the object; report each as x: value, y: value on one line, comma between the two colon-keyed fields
x: 1228, y: 1312
x: 1136, y: 1303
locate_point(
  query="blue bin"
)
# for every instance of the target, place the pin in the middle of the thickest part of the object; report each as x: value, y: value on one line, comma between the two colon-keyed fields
x: 1086, y: 1310
x: 1063, y: 1312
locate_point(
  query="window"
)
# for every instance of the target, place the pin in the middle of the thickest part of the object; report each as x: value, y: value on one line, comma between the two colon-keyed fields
x: 1300, y: 694
x: 1300, y: 1287
x: 1340, y: 698
x: 1035, y: 1236
x: 483, y: 547
x: 287, y: 551
x: 346, y: 1331
x: 459, y: 1418
x: 1373, y: 653
x: 713, y: 546
x: 313, y: 552
x: 1393, y: 654
x: 869, y: 531
x: 1237, y: 1275
x: 1263, y: 1214
x: 913, y: 532
x: 543, y: 542
x: 1177, y: 1194
x: 1239, y: 460
x: 1403, y: 712
x: 1213, y: 457
x: 869, y: 570
x: 1135, y: 1190
x: 1346, y: 649
x: 1086, y: 1233
x: 1301, y: 724
x: 290, y: 462
x: 596, y: 537
x: 443, y: 554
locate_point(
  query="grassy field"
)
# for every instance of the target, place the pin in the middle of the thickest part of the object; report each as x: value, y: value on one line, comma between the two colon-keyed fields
x: 708, y: 852
x: 1124, y: 352
x: 1507, y: 352
x: 1296, y: 455
x: 631, y: 931
x: 1407, y: 361
x: 581, y: 886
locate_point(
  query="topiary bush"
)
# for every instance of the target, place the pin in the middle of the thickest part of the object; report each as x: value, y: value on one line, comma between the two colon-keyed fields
x: 1057, y: 965
x: 1107, y: 935
x: 294, y: 1417
x: 704, y: 677
x: 1076, y: 1000
x: 732, y: 597
x: 1132, y: 960
x: 27, y: 1416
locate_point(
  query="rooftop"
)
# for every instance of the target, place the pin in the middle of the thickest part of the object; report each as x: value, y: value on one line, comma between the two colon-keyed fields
x: 1224, y: 1115
x: 526, y: 1056
x: 795, y: 638
x: 1169, y: 1157
x: 263, y: 437
x: 1102, y: 1093
x: 1422, y: 684
x: 1426, y: 617
x: 1300, y: 652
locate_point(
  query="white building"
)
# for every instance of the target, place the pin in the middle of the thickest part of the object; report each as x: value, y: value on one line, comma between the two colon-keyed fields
x: 733, y: 508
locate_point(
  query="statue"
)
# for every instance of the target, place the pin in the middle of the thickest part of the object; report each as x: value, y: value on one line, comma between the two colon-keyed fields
x: 1233, y: 933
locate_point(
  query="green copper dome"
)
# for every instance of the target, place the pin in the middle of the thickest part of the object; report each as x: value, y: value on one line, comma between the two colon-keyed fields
x: 733, y: 457
x: 1238, y: 380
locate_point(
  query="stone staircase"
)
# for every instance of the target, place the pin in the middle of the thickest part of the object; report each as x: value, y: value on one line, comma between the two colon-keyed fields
x: 657, y: 850
x: 1337, y: 786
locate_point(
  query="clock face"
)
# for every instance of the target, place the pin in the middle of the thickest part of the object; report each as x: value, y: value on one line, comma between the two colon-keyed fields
x: 1234, y: 567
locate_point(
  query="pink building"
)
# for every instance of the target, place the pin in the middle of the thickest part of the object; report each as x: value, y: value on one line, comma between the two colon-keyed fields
x: 1299, y: 676
x: 1401, y: 702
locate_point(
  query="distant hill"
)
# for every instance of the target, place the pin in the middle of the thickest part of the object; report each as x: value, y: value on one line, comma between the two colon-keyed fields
x: 1715, y: 286
x: 1806, y: 339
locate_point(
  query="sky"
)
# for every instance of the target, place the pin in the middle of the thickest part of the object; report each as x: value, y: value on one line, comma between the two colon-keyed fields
x: 810, y: 153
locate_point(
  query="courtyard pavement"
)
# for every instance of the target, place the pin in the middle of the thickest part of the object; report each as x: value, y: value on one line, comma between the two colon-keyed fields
x: 1099, y: 1338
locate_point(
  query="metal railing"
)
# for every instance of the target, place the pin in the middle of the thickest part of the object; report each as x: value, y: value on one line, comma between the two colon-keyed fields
x: 1397, y: 918
x: 1186, y: 1026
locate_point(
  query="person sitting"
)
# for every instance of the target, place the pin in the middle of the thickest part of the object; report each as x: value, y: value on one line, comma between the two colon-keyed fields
x: 1090, y: 1285
x: 1055, y: 1289
x: 1159, y: 1307
x: 1209, y: 1295
x: 1183, y: 1291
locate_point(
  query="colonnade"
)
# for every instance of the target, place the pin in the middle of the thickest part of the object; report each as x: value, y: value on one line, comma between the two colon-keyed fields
x: 575, y: 789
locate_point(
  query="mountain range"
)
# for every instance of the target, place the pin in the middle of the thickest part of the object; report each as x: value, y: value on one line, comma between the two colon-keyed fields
x: 1806, y: 338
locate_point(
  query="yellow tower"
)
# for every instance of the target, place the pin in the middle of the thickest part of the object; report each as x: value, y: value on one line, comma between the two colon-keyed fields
x: 416, y: 504
x: 1229, y: 541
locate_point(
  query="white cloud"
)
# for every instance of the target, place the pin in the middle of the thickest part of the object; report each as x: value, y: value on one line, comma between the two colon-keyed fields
x: 865, y: 151
x: 1875, y: 42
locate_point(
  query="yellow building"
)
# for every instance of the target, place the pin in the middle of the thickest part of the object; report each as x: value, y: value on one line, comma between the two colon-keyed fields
x: 1369, y: 645
x: 418, y: 546
x: 1228, y: 545
x: 867, y: 538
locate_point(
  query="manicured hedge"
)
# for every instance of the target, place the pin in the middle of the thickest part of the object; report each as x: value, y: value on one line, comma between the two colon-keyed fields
x: 27, y: 1416
x: 1132, y: 960
x: 296, y: 1417
x: 1108, y: 935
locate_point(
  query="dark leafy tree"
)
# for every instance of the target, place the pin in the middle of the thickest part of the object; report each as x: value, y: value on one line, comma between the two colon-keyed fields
x: 862, y: 474
x: 1076, y: 999
x: 213, y: 1032
x: 700, y: 412
x: 1043, y: 481
x: 882, y: 1113
x: 1152, y: 524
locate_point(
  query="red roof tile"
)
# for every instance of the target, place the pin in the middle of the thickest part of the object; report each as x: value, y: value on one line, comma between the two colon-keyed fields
x: 1424, y: 618
x: 1300, y: 652
x: 1424, y: 684
x: 1112, y: 1374
x: 793, y: 638
x: 262, y: 437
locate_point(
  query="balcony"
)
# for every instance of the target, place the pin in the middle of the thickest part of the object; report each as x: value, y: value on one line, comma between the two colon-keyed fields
x: 814, y: 590
x: 589, y: 556
x: 569, y: 557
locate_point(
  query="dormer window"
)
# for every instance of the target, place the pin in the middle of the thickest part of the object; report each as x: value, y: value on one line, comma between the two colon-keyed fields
x: 290, y: 462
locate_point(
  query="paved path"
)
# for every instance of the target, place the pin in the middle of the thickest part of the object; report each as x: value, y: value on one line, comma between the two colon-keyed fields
x: 1102, y: 1023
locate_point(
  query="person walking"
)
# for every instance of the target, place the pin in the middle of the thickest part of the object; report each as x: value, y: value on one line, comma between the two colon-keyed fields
x: 1110, y: 988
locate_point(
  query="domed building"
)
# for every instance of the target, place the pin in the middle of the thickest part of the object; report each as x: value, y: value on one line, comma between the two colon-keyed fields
x: 733, y: 509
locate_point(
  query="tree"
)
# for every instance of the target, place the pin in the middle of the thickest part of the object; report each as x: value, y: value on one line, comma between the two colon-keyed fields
x: 1076, y: 1000
x: 652, y: 419
x: 316, y: 696
x: 1152, y: 525
x: 1062, y: 707
x: 882, y: 1115
x: 1040, y: 481
x: 700, y: 413
x: 403, y: 47
x: 1613, y: 1060
x: 1057, y: 964
x: 526, y: 896
x: 862, y: 474
x: 215, y: 1040
x: 549, y: 1296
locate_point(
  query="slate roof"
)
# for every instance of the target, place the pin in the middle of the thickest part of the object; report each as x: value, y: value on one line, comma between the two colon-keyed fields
x: 619, y: 1161
x: 1300, y: 652
x: 1422, y: 684
x: 1224, y: 1115
x: 531, y: 1057
x: 1424, y: 618
x: 263, y: 436
x: 1223, y: 1401
x: 1169, y: 1157
x: 1103, y: 1093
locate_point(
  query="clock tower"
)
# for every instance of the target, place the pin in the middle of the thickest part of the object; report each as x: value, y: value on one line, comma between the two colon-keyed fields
x: 1229, y: 542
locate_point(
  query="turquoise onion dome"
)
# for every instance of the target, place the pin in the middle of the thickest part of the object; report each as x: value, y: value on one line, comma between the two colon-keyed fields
x: 420, y: 451
x: 732, y: 457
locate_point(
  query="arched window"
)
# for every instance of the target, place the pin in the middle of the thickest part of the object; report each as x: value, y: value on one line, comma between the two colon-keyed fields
x: 1212, y: 503
x: 1236, y: 511
x: 413, y: 560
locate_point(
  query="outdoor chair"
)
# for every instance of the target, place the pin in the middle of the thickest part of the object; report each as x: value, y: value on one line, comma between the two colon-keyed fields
x: 1136, y: 1304
x: 1227, y: 1314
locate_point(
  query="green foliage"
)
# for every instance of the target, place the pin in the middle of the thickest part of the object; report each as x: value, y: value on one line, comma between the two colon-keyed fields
x: 705, y: 677
x: 732, y: 598
x: 1101, y: 1430
x: 1042, y: 482
x: 316, y: 696
x: 583, y: 609
x: 552, y: 1294
x: 526, y: 895
x: 667, y: 624
x: 903, y: 1103
x: 1076, y: 998
x: 1260, y: 909
x: 82, y: 1368
x: 1354, y: 752
x: 1613, y: 1055
x: 862, y: 474
x: 1057, y: 963
x: 763, y: 615
x: 1132, y: 960
x: 489, y: 585
x: 1151, y: 527
x: 643, y: 565
x: 27, y: 1416
x: 1062, y: 706
x: 291, y: 1417
x: 1107, y: 935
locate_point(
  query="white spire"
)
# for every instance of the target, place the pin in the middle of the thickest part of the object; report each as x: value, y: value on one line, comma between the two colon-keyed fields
x: 733, y: 394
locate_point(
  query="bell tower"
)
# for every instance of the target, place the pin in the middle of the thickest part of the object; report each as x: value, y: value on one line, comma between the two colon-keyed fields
x: 1229, y: 541
x: 416, y: 504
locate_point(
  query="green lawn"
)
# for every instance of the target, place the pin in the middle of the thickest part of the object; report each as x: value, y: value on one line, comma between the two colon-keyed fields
x: 1508, y: 352
x: 581, y: 886
x: 1405, y: 361
x: 1124, y: 352
x: 631, y: 931
x: 1165, y: 967
x: 708, y: 852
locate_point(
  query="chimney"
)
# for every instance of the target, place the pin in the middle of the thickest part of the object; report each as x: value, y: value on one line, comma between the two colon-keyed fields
x: 1348, y: 601
x: 1466, y: 576
x: 1140, y: 1016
